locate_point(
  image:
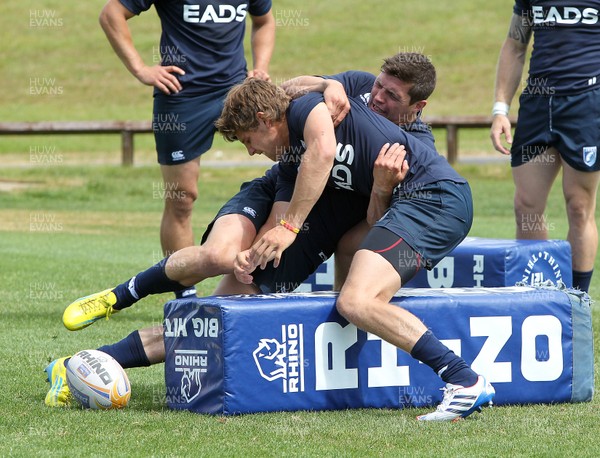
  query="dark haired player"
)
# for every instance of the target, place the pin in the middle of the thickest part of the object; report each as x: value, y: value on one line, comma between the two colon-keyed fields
x: 559, y: 120
x: 399, y: 93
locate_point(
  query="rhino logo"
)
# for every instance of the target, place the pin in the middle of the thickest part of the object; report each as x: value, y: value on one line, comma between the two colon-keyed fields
x: 190, y: 384
x: 269, y: 357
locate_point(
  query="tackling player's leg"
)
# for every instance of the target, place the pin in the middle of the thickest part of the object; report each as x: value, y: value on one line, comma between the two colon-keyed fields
x: 363, y: 301
x: 186, y: 267
x: 233, y: 230
x: 387, y: 260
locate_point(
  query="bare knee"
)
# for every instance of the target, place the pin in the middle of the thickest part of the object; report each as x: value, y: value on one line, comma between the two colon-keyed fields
x: 179, y: 201
x: 525, y: 204
x: 529, y: 217
x: 217, y: 258
x: 350, y: 304
x: 579, y: 212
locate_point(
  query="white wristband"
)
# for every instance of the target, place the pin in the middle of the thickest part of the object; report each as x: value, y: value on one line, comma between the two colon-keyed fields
x: 500, y: 108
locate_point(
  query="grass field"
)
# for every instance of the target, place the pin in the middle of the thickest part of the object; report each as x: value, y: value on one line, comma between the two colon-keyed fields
x: 73, y: 222
x: 74, y: 230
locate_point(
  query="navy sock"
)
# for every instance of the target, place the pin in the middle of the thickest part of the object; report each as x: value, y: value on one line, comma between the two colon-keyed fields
x: 151, y: 281
x: 450, y: 367
x: 582, y: 280
x: 128, y: 352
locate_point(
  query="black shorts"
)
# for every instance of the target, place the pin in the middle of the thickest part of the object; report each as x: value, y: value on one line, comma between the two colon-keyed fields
x: 254, y: 201
x: 394, y: 250
x: 432, y: 220
x: 184, y: 127
x: 569, y: 123
x: 334, y: 214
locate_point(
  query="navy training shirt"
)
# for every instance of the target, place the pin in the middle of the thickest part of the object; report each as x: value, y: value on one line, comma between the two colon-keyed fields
x: 203, y: 37
x: 358, y: 84
x: 566, y: 48
x: 360, y: 137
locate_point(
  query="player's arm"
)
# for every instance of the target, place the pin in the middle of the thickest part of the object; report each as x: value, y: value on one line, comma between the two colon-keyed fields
x: 389, y: 170
x: 113, y: 20
x: 303, y: 84
x: 333, y: 92
x: 315, y: 167
x: 262, y: 39
x: 508, y: 75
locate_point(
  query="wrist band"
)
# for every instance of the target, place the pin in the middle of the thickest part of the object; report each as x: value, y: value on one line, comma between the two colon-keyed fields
x: 500, y: 108
x: 289, y: 227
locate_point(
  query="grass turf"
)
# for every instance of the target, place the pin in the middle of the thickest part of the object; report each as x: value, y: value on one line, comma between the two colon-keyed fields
x: 94, y: 237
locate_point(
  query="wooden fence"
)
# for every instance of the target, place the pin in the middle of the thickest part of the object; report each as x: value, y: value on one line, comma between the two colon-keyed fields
x: 127, y: 129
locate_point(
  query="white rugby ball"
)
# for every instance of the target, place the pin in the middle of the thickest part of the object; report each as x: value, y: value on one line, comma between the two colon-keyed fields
x: 97, y: 380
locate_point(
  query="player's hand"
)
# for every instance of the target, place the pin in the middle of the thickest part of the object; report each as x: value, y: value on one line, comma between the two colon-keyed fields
x: 162, y: 77
x: 390, y: 168
x: 242, y: 268
x: 501, y: 126
x: 337, y: 101
x: 271, y: 246
x: 259, y: 75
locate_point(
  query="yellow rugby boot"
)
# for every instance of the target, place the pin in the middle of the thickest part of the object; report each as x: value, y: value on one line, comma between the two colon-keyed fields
x: 86, y: 310
x: 59, y: 394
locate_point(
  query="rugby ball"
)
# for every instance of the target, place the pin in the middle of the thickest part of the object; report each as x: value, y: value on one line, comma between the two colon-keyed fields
x: 97, y: 380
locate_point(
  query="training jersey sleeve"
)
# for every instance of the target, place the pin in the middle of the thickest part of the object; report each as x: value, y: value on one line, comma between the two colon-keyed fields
x: 421, y: 131
x: 296, y: 116
x: 137, y: 6
x: 356, y: 83
x: 260, y: 7
x: 520, y: 7
x: 286, y: 180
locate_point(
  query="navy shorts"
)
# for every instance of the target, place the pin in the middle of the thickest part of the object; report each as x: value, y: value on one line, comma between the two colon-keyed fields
x: 254, y: 201
x: 184, y: 127
x: 569, y: 123
x: 334, y: 214
x: 432, y: 220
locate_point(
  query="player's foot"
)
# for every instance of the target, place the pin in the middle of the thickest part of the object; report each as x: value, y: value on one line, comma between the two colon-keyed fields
x: 460, y: 401
x: 86, y: 310
x: 59, y: 394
